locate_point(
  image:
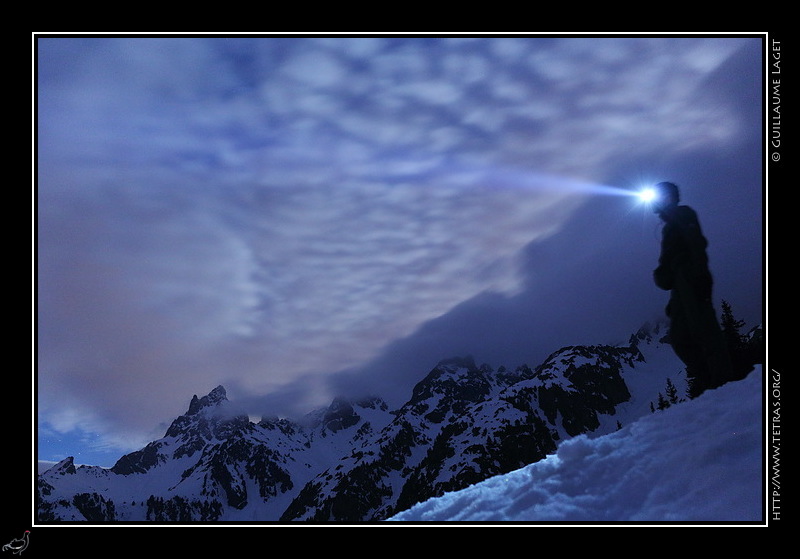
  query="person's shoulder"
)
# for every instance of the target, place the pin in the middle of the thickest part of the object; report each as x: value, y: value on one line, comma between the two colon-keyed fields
x: 685, y: 213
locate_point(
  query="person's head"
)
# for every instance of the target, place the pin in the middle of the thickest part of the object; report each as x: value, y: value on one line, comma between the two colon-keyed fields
x: 667, y: 195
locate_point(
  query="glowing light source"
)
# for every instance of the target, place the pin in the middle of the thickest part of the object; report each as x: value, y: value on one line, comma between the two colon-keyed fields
x: 647, y: 195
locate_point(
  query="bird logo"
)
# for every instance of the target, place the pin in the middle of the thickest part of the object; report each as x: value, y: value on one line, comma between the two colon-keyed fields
x: 18, y: 545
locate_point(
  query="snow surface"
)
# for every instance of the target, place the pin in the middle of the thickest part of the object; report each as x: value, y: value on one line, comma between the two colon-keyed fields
x: 697, y: 461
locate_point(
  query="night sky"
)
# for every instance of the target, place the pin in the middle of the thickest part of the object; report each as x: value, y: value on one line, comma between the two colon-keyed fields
x: 299, y: 217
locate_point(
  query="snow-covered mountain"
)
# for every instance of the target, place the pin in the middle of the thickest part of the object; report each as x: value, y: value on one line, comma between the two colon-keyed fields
x: 213, y: 463
x: 357, y: 461
x: 697, y: 462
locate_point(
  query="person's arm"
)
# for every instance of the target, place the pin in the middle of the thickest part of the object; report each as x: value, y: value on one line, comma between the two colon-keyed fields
x: 663, y: 275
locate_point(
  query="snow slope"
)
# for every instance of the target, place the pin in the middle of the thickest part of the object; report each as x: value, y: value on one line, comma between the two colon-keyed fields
x: 697, y: 461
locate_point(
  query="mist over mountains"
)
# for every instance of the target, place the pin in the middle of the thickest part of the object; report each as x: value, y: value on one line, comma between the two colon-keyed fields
x: 359, y: 461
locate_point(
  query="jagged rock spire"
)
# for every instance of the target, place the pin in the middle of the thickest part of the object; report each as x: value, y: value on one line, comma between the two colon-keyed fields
x: 66, y: 466
x: 212, y: 398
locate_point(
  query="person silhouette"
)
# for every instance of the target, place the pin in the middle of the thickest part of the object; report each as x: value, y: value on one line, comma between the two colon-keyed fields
x: 694, y: 332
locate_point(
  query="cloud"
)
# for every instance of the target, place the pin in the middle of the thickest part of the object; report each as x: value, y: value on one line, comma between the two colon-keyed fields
x: 254, y: 211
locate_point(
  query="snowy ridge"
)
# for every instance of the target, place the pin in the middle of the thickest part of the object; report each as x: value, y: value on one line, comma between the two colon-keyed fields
x: 212, y: 464
x: 700, y: 461
x: 357, y: 461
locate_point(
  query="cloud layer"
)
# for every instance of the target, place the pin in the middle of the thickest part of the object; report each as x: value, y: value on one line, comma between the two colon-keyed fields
x: 256, y: 211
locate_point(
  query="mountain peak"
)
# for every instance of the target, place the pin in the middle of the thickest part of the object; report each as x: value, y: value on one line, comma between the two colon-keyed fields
x: 217, y: 395
x: 340, y: 415
x: 212, y: 406
x: 211, y: 399
x: 66, y: 466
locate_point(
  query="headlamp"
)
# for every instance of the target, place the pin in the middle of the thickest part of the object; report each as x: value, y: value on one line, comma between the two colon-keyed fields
x: 648, y: 195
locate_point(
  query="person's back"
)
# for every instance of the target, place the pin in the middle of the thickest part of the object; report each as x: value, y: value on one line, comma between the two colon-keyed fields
x: 683, y: 247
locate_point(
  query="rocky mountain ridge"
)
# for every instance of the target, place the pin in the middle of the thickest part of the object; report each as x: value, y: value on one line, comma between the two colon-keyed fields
x: 358, y: 461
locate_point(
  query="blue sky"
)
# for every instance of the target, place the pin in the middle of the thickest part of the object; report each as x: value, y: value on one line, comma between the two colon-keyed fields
x: 295, y: 218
